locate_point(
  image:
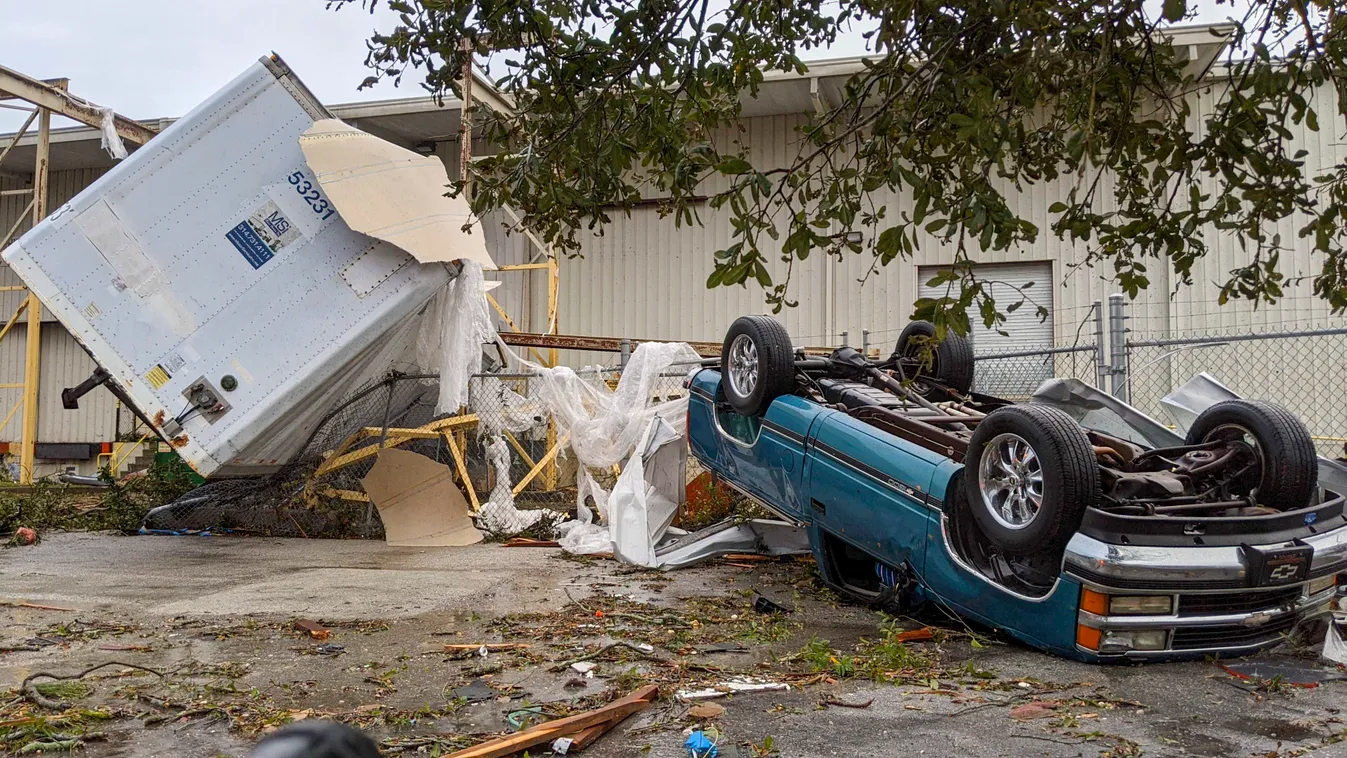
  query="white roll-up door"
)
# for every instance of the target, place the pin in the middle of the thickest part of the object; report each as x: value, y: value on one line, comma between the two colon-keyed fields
x: 1009, y: 377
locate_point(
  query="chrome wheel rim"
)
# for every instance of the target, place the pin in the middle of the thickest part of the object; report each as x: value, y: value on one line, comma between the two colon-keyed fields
x: 743, y: 365
x: 1010, y: 480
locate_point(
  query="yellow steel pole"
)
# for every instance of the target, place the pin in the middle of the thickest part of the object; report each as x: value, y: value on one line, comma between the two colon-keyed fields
x: 550, y: 475
x: 33, y: 347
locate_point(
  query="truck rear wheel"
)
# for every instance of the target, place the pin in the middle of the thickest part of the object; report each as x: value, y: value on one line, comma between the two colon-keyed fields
x: 757, y: 364
x: 1031, y: 473
x: 1279, y: 452
x: 951, y: 361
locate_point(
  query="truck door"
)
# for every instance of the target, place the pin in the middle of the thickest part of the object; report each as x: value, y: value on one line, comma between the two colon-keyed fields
x: 870, y: 489
x: 762, y: 456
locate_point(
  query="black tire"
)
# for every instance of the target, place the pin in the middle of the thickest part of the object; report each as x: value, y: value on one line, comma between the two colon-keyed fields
x: 1067, y: 470
x: 1290, y: 470
x: 775, y: 364
x: 316, y: 739
x: 953, y: 358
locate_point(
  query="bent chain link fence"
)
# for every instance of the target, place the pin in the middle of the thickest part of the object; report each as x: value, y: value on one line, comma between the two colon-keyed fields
x: 1015, y: 375
x: 1305, y: 371
x: 310, y: 496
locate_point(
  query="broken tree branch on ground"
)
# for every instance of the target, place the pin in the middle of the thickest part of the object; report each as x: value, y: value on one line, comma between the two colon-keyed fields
x: 29, y: 687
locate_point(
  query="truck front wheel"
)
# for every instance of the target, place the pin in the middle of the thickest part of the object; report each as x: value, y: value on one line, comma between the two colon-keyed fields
x: 1031, y: 473
x: 757, y: 364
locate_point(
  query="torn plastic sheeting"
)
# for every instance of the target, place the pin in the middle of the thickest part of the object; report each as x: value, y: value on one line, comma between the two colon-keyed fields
x: 499, y: 515
x: 393, y: 194
x: 457, y: 324
x: 112, y: 141
x: 605, y: 425
x: 1335, y: 649
x: 518, y: 413
x: 647, y: 495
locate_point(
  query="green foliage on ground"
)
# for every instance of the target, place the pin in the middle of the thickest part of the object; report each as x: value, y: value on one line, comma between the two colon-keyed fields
x: 121, y: 507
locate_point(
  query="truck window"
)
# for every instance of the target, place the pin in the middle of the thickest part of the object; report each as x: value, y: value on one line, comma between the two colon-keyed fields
x: 742, y: 428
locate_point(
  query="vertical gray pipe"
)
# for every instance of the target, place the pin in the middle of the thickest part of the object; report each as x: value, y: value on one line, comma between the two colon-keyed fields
x: 1117, y: 339
x: 1100, y: 356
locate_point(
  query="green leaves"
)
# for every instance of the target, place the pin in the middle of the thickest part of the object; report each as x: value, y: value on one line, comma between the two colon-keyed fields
x: 945, y: 141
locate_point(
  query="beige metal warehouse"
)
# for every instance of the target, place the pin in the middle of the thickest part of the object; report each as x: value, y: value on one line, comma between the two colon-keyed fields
x: 644, y: 277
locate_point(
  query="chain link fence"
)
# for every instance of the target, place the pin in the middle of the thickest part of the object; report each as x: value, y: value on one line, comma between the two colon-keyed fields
x: 1015, y: 375
x: 1305, y: 371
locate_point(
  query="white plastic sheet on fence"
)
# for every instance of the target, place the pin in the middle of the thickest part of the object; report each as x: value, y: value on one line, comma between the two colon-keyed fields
x: 456, y: 325
x: 603, y: 427
x: 499, y: 514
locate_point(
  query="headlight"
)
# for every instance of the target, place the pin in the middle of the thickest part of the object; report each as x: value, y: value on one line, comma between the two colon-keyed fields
x: 1116, y: 640
x: 1320, y: 585
x: 1125, y: 605
x: 1141, y: 605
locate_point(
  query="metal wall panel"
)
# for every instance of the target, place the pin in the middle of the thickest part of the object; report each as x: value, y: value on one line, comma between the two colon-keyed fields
x: 645, y: 278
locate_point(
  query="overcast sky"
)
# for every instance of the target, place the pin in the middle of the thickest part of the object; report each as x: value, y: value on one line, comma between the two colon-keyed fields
x: 153, y: 58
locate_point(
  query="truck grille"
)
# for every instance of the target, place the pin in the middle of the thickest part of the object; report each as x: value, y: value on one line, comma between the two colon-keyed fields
x: 1243, y: 602
x: 1197, y: 637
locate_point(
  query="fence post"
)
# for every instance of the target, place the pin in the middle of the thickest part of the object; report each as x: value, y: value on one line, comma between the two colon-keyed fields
x: 844, y: 339
x: 1100, y: 357
x: 865, y: 342
x: 1117, y: 339
x: 626, y: 353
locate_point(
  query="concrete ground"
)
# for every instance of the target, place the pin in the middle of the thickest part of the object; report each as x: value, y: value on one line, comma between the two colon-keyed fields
x: 216, y: 617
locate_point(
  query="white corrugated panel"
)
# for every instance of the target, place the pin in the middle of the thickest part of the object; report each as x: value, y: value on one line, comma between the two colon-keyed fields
x: 1008, y: 283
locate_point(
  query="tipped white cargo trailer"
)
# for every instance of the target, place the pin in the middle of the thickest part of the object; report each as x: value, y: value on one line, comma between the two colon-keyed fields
x: 217, y: 284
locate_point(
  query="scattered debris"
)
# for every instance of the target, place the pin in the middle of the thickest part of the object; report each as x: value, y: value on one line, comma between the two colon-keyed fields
x: 313, y: 629
x: 126, y: 648
x: 830, y: 700
x: 23, y: 536
x: 723, y: 647
x: 1038, y: 709
x: 645, y: 650
x: 530, y: 542
x: 475, y: 691
x: 524, y: 717
x: 1294, y: 673
x: 608, y: 716
x: 490, y: 646
x: 763, y: 604
x: 699, y: 745
x: 585, y: 668
x: 36, y: 607
x: 731, y: 687
x: 924, y: 634
x: 330, y: 649
x: 706, y: 711
x: 30, y: 690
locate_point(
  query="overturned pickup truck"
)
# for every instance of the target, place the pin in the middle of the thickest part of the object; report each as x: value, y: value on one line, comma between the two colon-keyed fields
x: 1073, y: 522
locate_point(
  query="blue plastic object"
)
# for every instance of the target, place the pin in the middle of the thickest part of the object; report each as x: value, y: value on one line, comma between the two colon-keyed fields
x: 700, y: 746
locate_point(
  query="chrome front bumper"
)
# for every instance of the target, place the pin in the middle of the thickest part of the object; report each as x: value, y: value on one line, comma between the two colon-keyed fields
x: 1206, y: 585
